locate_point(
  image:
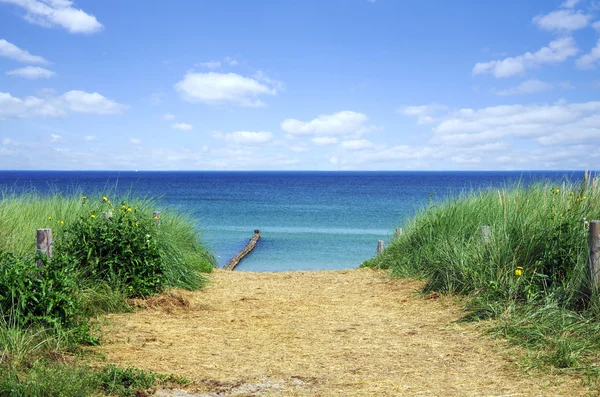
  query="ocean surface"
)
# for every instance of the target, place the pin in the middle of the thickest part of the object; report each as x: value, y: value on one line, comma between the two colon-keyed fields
x: 308, y: 220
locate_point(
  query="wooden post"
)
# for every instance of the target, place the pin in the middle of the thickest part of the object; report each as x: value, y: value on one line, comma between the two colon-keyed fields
x: 107, y: 214
x: 379, y: 246
x: 594, y: 259
x: 398, y: 232
x: 233, y: 262
x: 44, y: 244
x: 484, y: 234
x: 156, y: 216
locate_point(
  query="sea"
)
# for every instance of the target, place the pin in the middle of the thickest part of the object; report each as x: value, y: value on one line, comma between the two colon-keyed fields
x: 308, y: 220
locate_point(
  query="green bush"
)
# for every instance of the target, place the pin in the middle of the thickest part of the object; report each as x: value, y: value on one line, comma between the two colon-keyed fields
x: 32, y: 294
x: 120, y: 249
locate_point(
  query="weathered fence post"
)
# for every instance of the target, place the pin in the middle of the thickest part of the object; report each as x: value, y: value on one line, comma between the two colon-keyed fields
x: 107, y: 214
x: 398, y: 232
x: 379, y: 246
x: 156, y: 216
x: 43, y: 244
x: 484, y: 234
x: 594, y: 259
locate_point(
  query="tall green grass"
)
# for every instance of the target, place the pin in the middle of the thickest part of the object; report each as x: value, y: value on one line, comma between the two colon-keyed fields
x: 185, y: 258
x: 530, y: 274
x: 97, y: 264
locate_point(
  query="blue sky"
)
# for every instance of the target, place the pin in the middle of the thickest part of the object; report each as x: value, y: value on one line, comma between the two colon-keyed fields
x: 299, y: 85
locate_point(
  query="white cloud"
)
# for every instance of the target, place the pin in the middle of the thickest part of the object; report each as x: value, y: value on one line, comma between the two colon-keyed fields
x: 72, y: 101
x: 263, y: 78
x: 590, y: 60
x: 219, y: 88
x: 423, y: 113
x: 247, y: 137
x: 168, y: 116
x: 527, y: 87
x: 135, y: 141
x: 563, y: 20
x: 210, y: 64
x: 51, y: 13
x: 89, y: 138
x: 341, y: 123
x: 557, y: 51
x: 357, y: 144
x: 230, y: 61
x: 182, y: 126
x: 11, y: 51
x: 543, y: 124
x: 85, y: 102
x: 569, y: 3
x: 324, y: 140
x: 55, y: 138
x: 596, y: 25
x: 31, y: 72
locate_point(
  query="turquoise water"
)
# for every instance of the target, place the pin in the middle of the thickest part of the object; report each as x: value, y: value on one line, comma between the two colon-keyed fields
x: 308, y: 220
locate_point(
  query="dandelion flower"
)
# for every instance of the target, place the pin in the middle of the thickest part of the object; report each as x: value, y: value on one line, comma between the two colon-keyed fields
x: 104, y: 198
x: 93, y: 216
x: 129, y: 209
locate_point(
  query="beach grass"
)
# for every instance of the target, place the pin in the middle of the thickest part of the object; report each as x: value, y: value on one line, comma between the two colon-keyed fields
x: 529, y: 274
x: 47, y: 312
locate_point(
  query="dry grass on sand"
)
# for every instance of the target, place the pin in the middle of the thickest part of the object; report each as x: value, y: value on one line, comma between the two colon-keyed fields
x: 325, y: 333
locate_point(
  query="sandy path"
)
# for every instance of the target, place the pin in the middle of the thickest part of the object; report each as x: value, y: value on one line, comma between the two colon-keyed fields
x: 327, y: 333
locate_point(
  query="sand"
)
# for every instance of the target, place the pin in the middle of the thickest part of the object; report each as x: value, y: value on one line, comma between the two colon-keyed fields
x: 323, y: 333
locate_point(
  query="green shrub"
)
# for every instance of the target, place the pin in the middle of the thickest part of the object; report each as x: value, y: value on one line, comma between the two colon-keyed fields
x: 120, y: 250
x: 32, y: 294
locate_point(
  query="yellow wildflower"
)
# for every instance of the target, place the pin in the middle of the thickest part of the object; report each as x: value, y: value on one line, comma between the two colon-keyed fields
x: 519, y: 271
x: 83, y: 198
x: 93, y: 216
x: 137, y: 224
x: 129, y: 209
x: 104, y: 198
x: 49, y: 218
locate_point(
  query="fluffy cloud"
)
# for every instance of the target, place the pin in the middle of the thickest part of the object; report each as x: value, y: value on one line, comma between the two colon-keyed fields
x: 168, y: 116
x: 341, y: 123
x: 32, y: 73
x: 247, y: 137
x: 552, y: 124
x: 324, y: 140
x: 84, y: 102
x: 220, y: 88
x: 590, y: 60
x: 61, y: 13
x: 569, y: 3
x: 11, y: 51
x: 182, y: 126
x: 596, y: 25
x: 357, y: 144
x: 527, y: 87
x: 423, y: 113
x: 135, y: 141
x: 556, y: 52
x: 563, y: 20
x: 72, y: 101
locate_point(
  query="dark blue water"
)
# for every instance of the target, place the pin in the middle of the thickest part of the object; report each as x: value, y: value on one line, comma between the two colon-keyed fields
x: 308, y: 220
